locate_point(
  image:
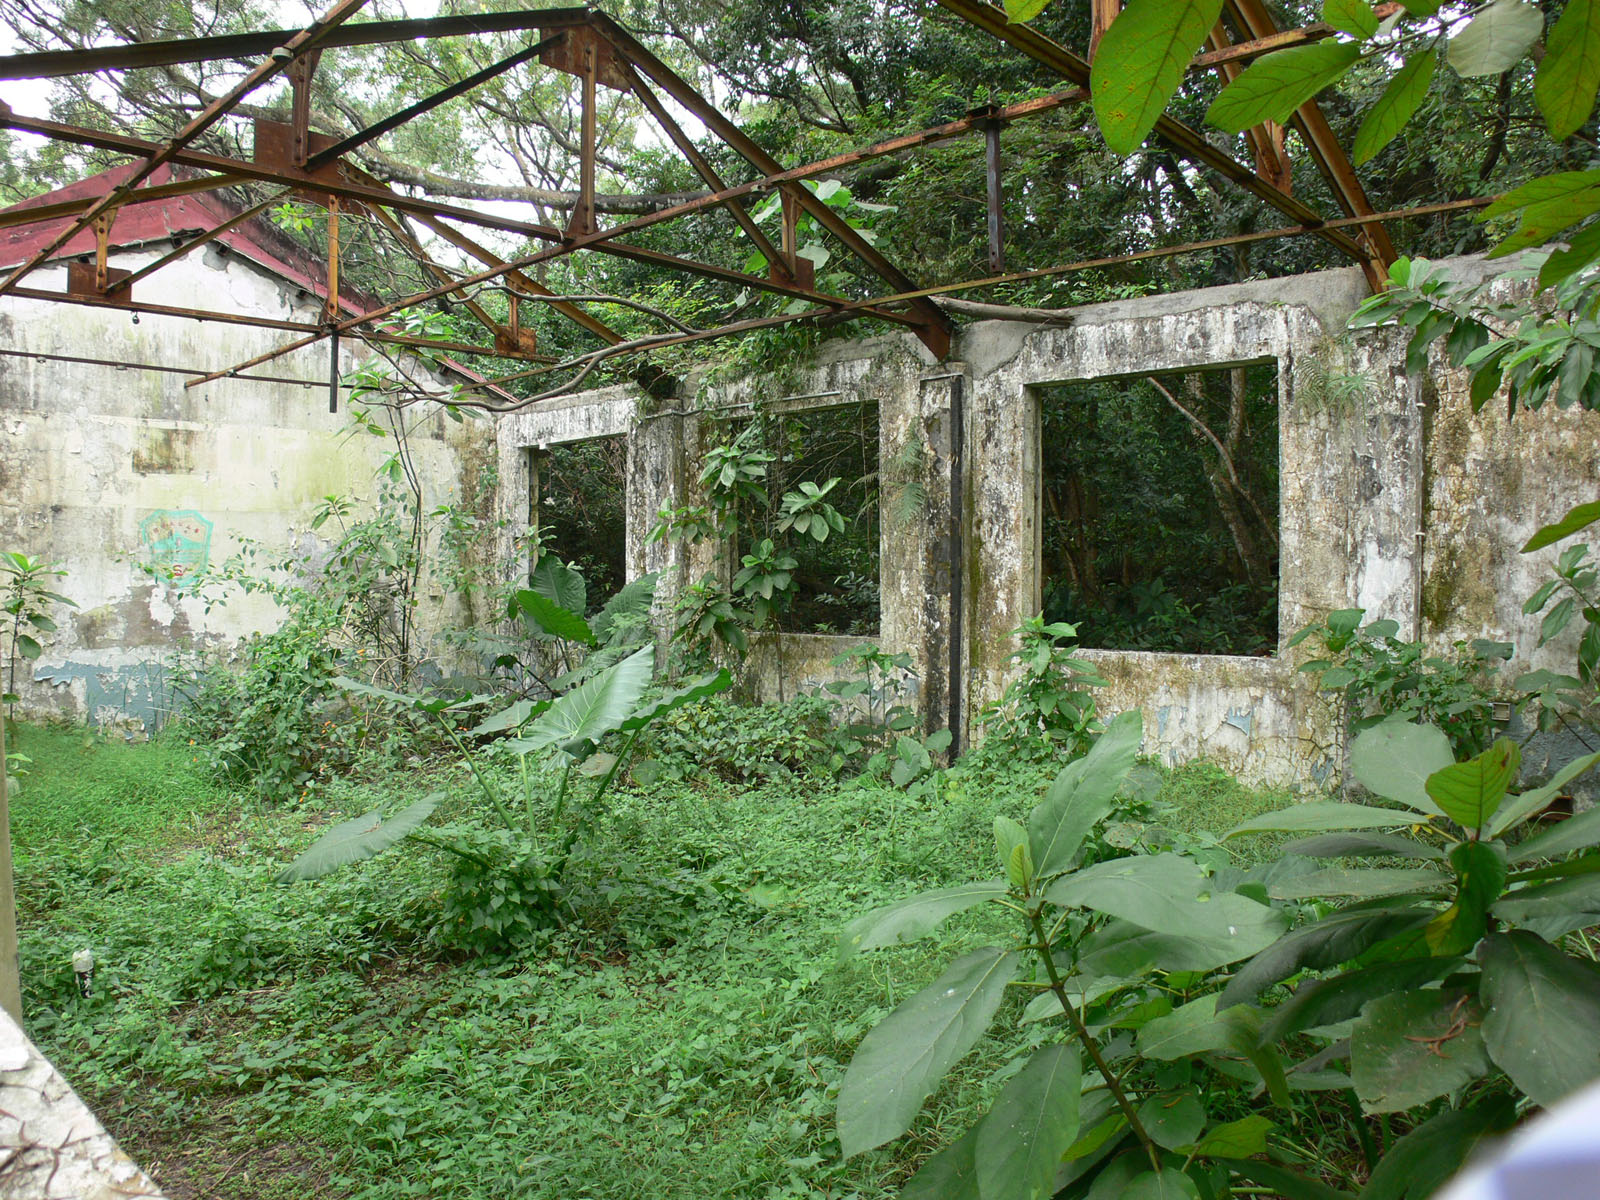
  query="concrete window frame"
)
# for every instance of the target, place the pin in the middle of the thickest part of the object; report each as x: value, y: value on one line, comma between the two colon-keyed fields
x: 1034, y: 396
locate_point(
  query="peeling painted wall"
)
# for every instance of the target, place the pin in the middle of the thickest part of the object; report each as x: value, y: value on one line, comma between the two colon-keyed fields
x: 1394, y: 497
x: 91, y: 454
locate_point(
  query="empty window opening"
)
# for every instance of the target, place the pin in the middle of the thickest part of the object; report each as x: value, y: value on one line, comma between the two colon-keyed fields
x: 835, y: 576
x: 1159, y: 510
x: 582, y: 516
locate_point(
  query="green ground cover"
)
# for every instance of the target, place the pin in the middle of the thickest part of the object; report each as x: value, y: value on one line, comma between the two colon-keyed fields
x: 247, y: 1039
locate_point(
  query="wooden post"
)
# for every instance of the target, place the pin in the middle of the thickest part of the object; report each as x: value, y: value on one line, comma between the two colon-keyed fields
x: 997, y: 243
x: 10, y: 975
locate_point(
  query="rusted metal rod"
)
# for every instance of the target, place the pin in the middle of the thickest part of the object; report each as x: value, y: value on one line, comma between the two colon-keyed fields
x: 1190, y: 143
x: 48, y: 64
x: 277, y: 61
x: 1087, y: 264
x: 200, y: 239
x: 378, y: 128
x: 224, y: 318
x: 24, y: 214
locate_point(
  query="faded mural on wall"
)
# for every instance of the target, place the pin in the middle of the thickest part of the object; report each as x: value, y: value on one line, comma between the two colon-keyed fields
x: 176, y: 545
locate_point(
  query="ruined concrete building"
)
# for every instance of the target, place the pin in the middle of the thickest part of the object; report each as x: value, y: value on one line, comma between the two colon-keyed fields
x: 1393, y: 496
x: 136, y: 485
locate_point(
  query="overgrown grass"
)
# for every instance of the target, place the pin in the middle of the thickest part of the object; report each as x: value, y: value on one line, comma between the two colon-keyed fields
x: 251, y: 1040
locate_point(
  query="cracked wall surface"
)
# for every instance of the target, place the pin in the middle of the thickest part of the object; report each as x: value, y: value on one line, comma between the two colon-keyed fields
x: 109, y: 472
x: 1394, y: 498
x: 51, y: 1146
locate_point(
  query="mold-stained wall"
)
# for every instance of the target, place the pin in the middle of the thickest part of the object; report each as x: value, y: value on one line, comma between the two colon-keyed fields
x: 1394, y: 498
x: 109, y: 472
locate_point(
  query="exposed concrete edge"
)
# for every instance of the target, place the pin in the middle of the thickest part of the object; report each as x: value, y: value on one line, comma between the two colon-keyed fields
x: 51, y: 1145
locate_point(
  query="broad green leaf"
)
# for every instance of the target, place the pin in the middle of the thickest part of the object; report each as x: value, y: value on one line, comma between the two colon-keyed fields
x: 512, y: 717
x: 559, y: 583
x: 1543, y: 1022
x: 1166, y: 892
x: 1581, y: 516
x: 1469, y: 792
x: 544, y: 613
x: 951, y: 1174
x: 1554, y: 908
x: 1359, y: 884
x: 357, y: 840
x: 1394, y: 758
x: 1354, y: 17
x: 1337, y: 938
x: 1011, y: 843
x: 1396, y: 106
x: 1322, y: 815
x: 1197, y: 1028
x: 1237, y: 1139
x: 906, y: 1055
x: 1418, y: 1164
x: 1569, y: 74
x: 1562, y: 187
x: 1140, y: 62
x: 1480, y: 869
x: 633, y: 599
x: 1496, y: 39
x: 1347, y: 845
x: 1583, y: 247
x: 1564, y: 837
x: 589, y: 712
x: 356, y: 688
x: 695, y: 690
x: 1018, y: 11
x: 1340, y: 997
x: 1123, y: 950
x: 914, y: 917
x: 1274, y: 86
x: 1082, y: 990
x: 1409, y: 1047
x: 1031, y: 1125
x: 1172, y: 1120
x: 1167, y: 1184
x: 1082, y: 795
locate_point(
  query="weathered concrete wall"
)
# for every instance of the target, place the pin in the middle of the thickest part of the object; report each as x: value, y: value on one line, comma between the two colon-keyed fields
x: 94, y: 456
x: 1393, y: 498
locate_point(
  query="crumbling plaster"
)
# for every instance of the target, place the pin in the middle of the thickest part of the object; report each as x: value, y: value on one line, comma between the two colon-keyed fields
x: 90, y: 452
x: 1394, y: 498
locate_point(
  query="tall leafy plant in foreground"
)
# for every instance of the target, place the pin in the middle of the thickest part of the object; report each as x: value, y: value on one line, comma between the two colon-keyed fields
x: 509, y: 875
x: 1436, y: 989
x: 1456, y: 959
x: 26, y: 598
x: 1112, y: 952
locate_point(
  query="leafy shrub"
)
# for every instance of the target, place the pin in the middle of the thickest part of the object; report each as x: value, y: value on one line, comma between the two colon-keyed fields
x: 1179, y: 1058
x: 739, y: 742
x: 1049, y: 705
x: 1378, y: 676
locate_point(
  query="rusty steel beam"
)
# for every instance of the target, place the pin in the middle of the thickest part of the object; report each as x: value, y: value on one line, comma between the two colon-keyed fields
x: 51, y: 64
x: 378, y: 128
x: 496, y: 330
x: 1188, y: 143
x: 708, y: 173
x: 301, y: 43
x: 200, y: 239
x: 443, y: 346
x: 1087, y: 264
x: 1256, y: 47
x: 515, y: 277
x: 936, y: 327
x: 21, y: 214
x: 602, y: 241
x: 1252, y: 17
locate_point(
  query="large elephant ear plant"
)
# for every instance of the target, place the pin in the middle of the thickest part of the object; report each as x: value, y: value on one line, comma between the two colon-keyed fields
x: 1435, y: 984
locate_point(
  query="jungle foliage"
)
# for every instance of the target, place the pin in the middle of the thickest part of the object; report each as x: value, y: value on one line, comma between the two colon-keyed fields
x: 1130, y: 557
